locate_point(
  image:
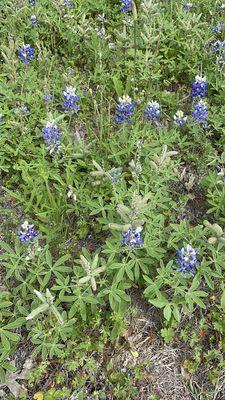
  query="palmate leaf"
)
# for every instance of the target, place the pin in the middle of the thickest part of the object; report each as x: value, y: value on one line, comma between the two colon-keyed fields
x: 48, y: 305
x: 92, y: 271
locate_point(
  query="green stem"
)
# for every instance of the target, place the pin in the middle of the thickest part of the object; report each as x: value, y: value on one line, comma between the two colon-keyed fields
x: 134, y: 9
x: 135, y: 55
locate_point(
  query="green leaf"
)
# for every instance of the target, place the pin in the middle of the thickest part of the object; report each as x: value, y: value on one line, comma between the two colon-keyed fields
x: 5, y: 304
x: 12, y: 336
x: 6, y: 247
x: 118, y: 86
x: 15, y: 324
x: 222, y: 300
x: 5, y: 341
x: 48, y: 257
x: 176, y: 312
x: 37, y: 311
x: 61, y: 260
x: 2, y: 375
x: 158, y: 303
x: 167, y: 312
x: 129, y: 273
x: 120, y: 274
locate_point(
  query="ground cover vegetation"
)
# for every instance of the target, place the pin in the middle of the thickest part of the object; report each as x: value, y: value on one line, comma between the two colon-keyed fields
x: 112, y: 200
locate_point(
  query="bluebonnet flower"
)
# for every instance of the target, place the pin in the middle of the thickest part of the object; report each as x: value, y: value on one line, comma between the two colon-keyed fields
x: 187, y: 260
x: 218, y: 28
x: 200, y: 112
x: 187, y: 6
x: 49, y: 97
x: 218, y: 45
x: 199, y: 87
x: 1, y: 117
x: 52, y: 134
x: 31, y: 2
x: 33, y: 20
x: 152, y: 111
x: 179, y: 118
x: 136, y: 168
x: 126, y: 6
x: 71, y: 99
x: 69, y: 3
x: 219, y: 48
x: 220, y: 60
x: 26, y: 53
x: 27, y: 234
x: 22, y: 109
x: 115, y: 175
x: 125, y: 108
x: 132, y: 238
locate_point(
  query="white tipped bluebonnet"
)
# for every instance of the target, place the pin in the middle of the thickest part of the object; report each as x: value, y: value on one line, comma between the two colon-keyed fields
x: 116, y: 175
x: 31, y: 2
x: 180, y: 119
x: 218, y: 45
x: 27, y: 233
x: 187, y: 260
x: 218, y: 28
x: 52, y: 136
x: 200, y: 113
x: 49, y: 97
x: 1, y: 118
x: 126, y: 6
x: 125, y: 109
x: 26, y: 53
x: 198, y: 87
x: 152, y: 111
x: 132, y: 238
x: 69, y: 3
x: 187, y: 6
x: 22, y: 109
x: 71, y: 99
x: 33, y: 20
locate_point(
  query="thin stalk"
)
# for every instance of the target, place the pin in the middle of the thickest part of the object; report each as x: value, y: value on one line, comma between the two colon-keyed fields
x: 135, y: 15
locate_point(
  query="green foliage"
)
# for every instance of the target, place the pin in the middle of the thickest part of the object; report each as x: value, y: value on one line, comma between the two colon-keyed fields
x: 150, y: 178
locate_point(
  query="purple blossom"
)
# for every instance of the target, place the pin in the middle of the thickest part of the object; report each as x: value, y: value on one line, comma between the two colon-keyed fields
x: 187, y: 6
x: 152, y: 111
x: 199, y: 87
x: 179, y: 118
x: 69, y: 3
x: 126, y: 6
x: 115, y: 175
x: 125, y: 109
x: 218, y: 28
x: 49, y: 98
x: 33, y: 20
x: 22, y: 109
x: 200, y: 113
x: 132, y: 238
x: 27, y: 234
x: 26, y: 53
x: 218, y: 45
x: 71, y: 99
x: 187, y: 260
x: 52, y: 135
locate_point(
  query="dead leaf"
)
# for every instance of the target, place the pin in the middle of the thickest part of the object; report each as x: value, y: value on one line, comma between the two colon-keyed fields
x: 12, y: 377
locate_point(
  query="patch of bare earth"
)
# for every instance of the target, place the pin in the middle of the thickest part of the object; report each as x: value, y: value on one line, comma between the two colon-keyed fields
x: 163, y: 364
